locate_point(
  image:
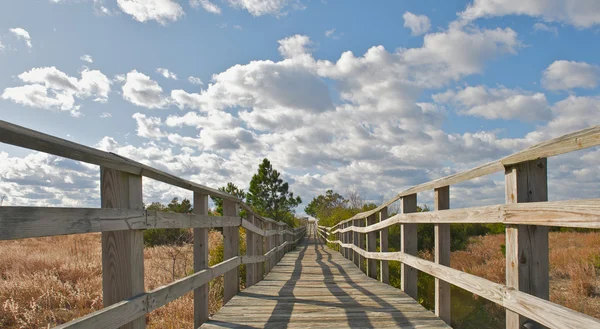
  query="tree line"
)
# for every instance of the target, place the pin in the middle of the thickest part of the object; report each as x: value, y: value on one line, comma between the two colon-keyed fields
x: 268, y: 195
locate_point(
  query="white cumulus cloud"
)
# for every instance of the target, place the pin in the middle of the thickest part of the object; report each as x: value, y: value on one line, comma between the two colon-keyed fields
x: 195, y: 80
x: 50, y: 88
x: 580, y: 13
x: 565, y: 75
x: 22, y: 34
x: 497, y: 103
x: 140, y: 90
x: 166, y: 73
x: 161, y: 11
x: 418, y: 24
x: 206, y: 5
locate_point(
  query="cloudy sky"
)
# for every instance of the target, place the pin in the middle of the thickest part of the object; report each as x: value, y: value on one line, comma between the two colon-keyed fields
x: 375, y: 96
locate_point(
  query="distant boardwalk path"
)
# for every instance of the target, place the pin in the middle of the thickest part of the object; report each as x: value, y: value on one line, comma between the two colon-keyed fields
x: 315, y: 287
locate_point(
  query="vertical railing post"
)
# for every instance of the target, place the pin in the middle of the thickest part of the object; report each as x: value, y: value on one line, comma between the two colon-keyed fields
x: 409, y: 246
x: 200, y: 260
x: 350, y: 239
x: 343, y: 237
x: 251, y: 251
x: 122, y: 251
x: 384, y: 268
x: 361, y: 244
x: 267, y: 244
x: 372, y: 247
x: 442, y: 254
x: 527, y: 267
x: 231, y: 248
x: 271, y: 246
x: 355, y: 237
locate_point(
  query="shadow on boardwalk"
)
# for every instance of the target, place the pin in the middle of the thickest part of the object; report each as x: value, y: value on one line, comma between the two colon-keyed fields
x: 315, y: 287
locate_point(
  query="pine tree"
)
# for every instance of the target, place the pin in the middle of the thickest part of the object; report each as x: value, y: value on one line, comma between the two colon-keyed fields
x: 269, y: 195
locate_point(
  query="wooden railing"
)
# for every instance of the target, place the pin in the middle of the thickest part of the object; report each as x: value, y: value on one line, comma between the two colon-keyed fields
x: 527, y: 215
x: 121, y: 219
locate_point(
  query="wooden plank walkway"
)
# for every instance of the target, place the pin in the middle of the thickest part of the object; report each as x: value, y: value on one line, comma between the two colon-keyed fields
x: 315, y: 287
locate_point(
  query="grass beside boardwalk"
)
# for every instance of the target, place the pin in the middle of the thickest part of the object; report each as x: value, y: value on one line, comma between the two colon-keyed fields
x: 53, y: 280
x: 574, y: 277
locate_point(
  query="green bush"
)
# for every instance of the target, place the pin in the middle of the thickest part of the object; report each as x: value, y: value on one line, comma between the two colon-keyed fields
x: 166, y: 236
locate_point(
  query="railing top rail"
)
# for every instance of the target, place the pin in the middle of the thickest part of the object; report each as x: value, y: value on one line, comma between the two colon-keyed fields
x: 564, y: 144
x: 20, y: 136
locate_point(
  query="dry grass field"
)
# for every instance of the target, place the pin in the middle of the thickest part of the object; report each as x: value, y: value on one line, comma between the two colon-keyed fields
x: 574, y: 266
x: 53, y: 280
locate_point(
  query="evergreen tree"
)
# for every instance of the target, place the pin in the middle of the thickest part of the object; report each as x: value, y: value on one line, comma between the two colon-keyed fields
x: 269, y: 195
x: 233, y: 190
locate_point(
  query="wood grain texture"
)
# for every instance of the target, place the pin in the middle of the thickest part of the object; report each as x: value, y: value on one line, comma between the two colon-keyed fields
x: 564, y: 144
x: 442, y: 240
x: 231, y: 247
x: 384, y: 268
x: 125, y: 311
x: 34, y: 140
x: 122, y: 251
x: 527, y: 256
x: 569, y: 213
x: 546, y: 313
x: 408, y: 245
x: 200, y: 260
x: 372, y: 246
x: 315, y: 287
x: 251, y: 277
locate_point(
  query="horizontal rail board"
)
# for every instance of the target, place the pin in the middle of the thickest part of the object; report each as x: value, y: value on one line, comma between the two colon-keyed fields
x: 564, y: 144
x: 124, y: 312
x: 34, y: 140
x: 570, y: 213
x: 33, y: 222
x: 545, y: 312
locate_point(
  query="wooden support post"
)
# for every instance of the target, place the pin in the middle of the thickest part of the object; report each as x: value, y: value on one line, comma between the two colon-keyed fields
x: 345, y: 237
x: 372, y: 247
x: 231, y: 248
x: 271, y: 246
x: 527, y: 267
x: 355, y: 236
x: 409, y: 246
x: 442, y: 254
x: 251, y: 273
x: 267, y: 246
x: 362, y: 245
x: 351, y: 240
x: 384, y: 268
x: 122, y: 251
x: 200, y: 260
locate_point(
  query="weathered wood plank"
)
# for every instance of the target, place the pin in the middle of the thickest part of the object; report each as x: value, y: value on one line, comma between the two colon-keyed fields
x: 231, y: 247
x: 408, y: 245
x: 569, y: 213
x: 34, y: 140
x: 33, y: 222
x: 384, y: 268
x: 564, y: 144
x: 200, y: 260
x: 125, y: 311
x: 122, y: 251
x: 442, y: 254
x: 527, y: 258
x: 546, y: 313
x: 372, y: 246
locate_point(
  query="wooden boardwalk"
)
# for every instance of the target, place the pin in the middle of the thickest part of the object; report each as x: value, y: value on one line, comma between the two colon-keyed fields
x: 315, y: 287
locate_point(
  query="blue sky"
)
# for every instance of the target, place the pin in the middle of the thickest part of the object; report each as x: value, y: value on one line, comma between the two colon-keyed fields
x: 374, y: 96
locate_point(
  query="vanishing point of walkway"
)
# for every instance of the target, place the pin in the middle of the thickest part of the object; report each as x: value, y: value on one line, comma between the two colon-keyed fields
x: 315, y: 287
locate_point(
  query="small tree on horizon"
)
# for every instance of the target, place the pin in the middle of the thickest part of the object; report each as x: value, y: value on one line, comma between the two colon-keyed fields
x: 269, y: 195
